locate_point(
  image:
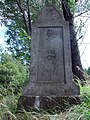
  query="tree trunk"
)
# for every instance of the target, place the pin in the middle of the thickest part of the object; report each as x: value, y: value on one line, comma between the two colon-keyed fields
x: 76, y: 62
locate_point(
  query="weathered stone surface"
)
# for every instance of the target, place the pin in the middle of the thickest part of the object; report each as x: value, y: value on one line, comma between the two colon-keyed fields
x: 51, y: 67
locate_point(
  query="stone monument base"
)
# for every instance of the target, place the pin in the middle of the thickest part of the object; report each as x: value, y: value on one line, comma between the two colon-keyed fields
x: 47, y: 103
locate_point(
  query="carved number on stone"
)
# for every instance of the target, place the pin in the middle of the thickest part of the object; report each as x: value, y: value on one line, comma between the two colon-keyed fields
x: 51, y: 55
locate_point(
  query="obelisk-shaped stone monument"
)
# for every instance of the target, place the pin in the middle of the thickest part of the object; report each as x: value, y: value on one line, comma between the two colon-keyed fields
x: 51, y: 66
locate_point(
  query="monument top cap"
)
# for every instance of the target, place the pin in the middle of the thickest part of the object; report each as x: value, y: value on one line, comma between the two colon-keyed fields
x: 50, y: 14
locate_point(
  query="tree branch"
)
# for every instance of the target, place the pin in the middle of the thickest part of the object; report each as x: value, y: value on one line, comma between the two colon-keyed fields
x: 66, y: 11
x: 74, y: 46
x: 22, y: 11
x: 29, y: 16
x: 81, y: 13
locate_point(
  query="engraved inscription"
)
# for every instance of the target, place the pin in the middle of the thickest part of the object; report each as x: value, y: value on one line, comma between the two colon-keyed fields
x: 51, y: 60
x: 50, y: 57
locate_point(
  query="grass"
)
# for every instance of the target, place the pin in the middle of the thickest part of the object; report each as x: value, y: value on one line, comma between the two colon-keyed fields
x: 82, y: 111
x: 8, y: 107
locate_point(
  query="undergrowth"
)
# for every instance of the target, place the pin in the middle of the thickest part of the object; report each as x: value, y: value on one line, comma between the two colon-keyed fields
x: 9, y: 101
x: 82, y: 111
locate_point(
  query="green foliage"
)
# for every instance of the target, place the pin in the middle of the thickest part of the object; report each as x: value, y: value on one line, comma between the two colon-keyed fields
x: 8, y: 108
x: 82, y: 111
x: 71, y: 4
x: 20, y: 47
x: 8, y: 103
x: 12, y: 73
x: 88, y: 71
x: 19, y: 42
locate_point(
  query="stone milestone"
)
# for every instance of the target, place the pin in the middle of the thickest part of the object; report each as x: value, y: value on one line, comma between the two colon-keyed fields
x: 51, y: 66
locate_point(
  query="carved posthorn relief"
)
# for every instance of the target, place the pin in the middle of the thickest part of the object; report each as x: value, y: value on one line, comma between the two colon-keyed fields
x: 51, y: 55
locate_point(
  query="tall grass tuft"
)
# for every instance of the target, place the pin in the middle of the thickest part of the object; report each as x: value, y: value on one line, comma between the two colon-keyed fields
x: 82, y: 111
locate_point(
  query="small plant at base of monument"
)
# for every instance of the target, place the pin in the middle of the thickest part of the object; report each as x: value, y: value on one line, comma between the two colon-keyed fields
x: 82, y: 111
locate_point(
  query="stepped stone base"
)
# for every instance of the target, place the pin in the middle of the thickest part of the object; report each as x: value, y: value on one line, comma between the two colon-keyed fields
x: 46, y: 103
